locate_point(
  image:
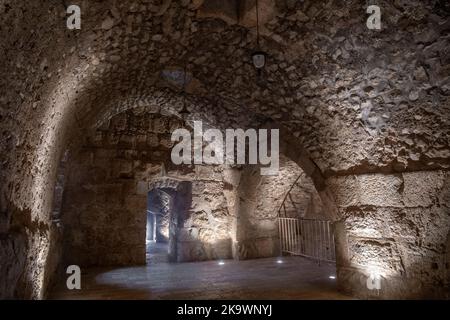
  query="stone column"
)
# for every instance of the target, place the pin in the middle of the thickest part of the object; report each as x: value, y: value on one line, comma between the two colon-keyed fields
x: 246, y: 247
x: 232, y: 178
x: 161, y: 227
x: 150, y: 226
x: 391, y: 234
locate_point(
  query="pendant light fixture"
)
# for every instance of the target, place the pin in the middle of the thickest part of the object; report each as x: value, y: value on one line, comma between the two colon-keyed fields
x: 258, y: 56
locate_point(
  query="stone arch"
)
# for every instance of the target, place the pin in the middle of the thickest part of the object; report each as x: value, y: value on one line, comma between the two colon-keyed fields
x: 107, y: 182
x: 303, y: 159
x: 303, y: 191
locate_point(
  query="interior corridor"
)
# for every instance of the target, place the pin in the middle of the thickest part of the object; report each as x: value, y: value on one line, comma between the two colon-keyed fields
x: 235, y: 132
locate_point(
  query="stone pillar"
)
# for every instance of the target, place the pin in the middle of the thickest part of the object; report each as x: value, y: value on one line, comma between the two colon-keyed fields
x: 150, y: 226
x: 232, y: 178
x: 246, y: 246
x: 392, y: 234
x: 161, y: 227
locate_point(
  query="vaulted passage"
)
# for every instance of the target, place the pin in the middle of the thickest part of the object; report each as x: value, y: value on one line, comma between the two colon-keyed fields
x: 225, y: 150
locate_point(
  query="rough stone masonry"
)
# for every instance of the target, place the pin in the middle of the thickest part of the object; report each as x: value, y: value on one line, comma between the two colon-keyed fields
x: 363, y: 114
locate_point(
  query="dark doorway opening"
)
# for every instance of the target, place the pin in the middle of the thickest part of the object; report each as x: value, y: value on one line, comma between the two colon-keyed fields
x: 160, y: 229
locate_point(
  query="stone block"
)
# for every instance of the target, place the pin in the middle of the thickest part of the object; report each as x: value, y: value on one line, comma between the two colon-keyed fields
x: 390, y: 222
x: 367, y: 189
x: 220, y: 249
x: 421, y: 189
x: 380, y: 190
x: 444, y: 195
x: 345, y: 190
x: 375, y: 254
x: 207, y: 173
x: 141, y: 141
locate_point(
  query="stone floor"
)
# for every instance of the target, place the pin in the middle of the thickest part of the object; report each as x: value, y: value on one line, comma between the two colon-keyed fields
x: 272, y: 278
x: 157, y: 252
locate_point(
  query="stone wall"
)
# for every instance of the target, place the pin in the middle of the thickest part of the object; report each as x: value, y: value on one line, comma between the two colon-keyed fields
x: 104, y: 210
x: 206, y: 231
x: 303, y: 201
x: 395, y: 226
x: 260, y: 200
x: 360, y: 101
x: 10, y: 270
x: 105, y: 199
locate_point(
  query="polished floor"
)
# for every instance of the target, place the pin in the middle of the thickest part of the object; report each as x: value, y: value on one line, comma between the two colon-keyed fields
x: 272, y: 278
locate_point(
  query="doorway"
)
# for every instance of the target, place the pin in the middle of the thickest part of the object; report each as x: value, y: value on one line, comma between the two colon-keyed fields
x: 162, y: 225
x: 159, y: 213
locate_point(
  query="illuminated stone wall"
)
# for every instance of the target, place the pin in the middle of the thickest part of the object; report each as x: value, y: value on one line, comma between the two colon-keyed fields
x: 397, y: 227
x: 105, y: 201
x: 261, y: 198
x: 105, y: 198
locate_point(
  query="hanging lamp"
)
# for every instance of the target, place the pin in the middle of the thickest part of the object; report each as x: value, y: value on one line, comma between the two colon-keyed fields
x: 258, y: 56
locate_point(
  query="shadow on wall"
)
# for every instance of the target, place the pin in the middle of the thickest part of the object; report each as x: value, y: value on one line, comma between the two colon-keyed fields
x: 447, y: 266
x: 13, y: 253
x: 14, y: 245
